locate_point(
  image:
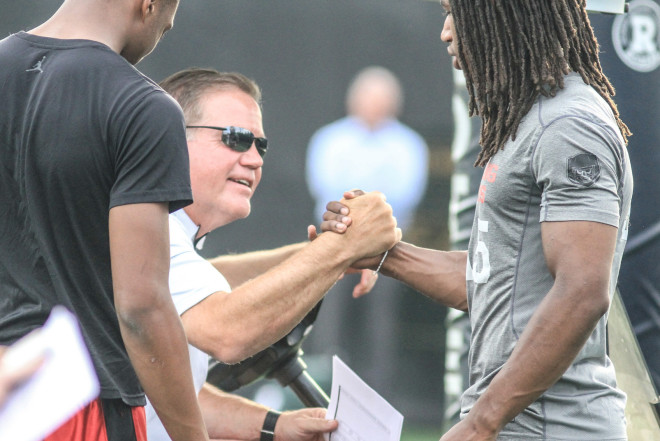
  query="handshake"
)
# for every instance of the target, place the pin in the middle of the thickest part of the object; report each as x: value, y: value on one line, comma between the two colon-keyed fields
x: 366, y: 229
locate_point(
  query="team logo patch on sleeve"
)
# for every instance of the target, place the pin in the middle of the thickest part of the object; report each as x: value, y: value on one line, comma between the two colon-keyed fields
x: 583, y: 169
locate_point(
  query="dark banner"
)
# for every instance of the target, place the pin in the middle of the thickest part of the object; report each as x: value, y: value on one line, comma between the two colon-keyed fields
x: 630, y: 55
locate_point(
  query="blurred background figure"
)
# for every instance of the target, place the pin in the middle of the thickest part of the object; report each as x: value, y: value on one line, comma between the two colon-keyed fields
x: 368, y: 149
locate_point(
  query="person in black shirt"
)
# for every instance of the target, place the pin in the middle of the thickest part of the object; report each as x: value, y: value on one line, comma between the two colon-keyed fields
x: 93, y: 159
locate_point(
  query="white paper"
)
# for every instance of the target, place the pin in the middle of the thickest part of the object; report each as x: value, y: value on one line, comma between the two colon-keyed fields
x: 64, y: 383
x: 362, y: 413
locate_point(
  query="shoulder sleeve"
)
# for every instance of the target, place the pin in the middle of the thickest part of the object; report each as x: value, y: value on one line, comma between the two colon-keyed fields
x: 192, y: 278
x: 577, y: 166
x: 151, y: 156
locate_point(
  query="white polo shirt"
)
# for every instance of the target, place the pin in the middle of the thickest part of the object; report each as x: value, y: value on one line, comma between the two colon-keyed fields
x: 192, y: 279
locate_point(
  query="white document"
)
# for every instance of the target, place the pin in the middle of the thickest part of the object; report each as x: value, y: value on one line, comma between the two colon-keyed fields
x: 363, y: 415
x: 65, y: 382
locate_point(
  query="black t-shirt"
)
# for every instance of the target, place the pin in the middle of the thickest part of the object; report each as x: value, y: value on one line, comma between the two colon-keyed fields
x: 81, y: 131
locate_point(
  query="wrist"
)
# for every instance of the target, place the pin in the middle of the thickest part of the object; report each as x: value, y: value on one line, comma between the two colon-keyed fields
x: 388, y: 264
x: 489, y: 415
x: 334, y: 250
x: 382, y: 260
x: 268, y: 428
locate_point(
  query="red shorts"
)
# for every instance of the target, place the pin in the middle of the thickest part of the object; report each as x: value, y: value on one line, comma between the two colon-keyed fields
x: 104, y: 420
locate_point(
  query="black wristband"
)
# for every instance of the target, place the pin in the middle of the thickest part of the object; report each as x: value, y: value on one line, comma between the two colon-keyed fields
x: 268, y: 430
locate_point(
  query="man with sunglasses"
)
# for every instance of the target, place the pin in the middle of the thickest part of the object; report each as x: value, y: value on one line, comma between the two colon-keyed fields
x: 272, y: 290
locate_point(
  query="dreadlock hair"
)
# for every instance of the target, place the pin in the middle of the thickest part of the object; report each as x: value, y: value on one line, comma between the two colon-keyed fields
x: 513, y: 50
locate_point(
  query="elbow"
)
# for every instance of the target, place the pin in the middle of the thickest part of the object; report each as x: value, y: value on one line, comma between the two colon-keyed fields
x: 457, y: 299
x: 600, y: 305
x: 235, y: 344
x: 135, y: 312
x: 593, y: 301
x: 460, y: 305
x: 229, y: 355
x: 229, y: 348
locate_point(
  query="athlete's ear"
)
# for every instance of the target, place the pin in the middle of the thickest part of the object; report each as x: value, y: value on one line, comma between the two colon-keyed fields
x: 147, y: 8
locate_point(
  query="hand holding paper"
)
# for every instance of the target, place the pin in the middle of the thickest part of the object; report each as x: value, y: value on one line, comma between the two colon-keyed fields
x: 363, y: 415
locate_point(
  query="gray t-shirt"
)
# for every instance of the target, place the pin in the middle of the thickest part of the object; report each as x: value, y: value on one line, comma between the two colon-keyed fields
x: 568, y: 163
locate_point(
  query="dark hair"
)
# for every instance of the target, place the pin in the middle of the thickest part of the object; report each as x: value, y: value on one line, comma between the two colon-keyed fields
x: 188, y: 86
x: 513, y: 50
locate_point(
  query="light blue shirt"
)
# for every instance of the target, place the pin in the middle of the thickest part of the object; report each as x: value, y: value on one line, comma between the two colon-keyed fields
x: 392, y: 159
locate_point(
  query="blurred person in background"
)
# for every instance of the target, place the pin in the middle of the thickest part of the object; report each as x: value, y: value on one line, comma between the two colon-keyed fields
x: 369, y: 149
x: 234, y: 306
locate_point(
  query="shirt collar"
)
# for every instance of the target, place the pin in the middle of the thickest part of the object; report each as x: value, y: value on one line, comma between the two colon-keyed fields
x: 190, y: 228
x: 385, y: 124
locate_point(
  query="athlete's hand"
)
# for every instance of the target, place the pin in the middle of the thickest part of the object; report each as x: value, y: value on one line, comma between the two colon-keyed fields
x: 336, y: 217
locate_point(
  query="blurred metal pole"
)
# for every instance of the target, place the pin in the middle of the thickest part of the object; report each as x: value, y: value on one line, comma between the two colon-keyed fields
x: 632, y: 375
x: 295, y: 375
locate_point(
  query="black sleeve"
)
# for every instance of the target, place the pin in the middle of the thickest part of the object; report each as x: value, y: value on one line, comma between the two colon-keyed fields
x: 151, y: 156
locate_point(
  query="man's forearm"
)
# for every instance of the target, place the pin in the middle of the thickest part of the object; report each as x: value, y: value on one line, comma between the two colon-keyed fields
x: 157, y: 346
x: 239, y: 268
x: 550, y: 342
x: 439, y: 275
x: 149, y: 324
x: 579, y: 258
x: 233, y: 326
x: 229, y: 416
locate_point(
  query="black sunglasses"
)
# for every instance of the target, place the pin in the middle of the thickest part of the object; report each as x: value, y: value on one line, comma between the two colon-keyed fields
x: 238, y: 139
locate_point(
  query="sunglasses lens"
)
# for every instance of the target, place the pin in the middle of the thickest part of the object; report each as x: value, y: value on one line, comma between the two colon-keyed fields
x: 237, y: 139
x: 240, y: 140
x: 262, y: 146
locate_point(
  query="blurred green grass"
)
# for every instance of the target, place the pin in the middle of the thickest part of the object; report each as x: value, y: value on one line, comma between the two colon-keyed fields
x: 414, y: 433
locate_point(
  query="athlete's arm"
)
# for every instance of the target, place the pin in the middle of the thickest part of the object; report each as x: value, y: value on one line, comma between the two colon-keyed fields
x: 579, y: 256
x: 439, y: 275
x: 149, y: 324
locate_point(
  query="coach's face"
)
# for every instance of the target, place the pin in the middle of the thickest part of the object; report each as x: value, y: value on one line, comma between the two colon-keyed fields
x: 223, y: 180
x: 448, y: 34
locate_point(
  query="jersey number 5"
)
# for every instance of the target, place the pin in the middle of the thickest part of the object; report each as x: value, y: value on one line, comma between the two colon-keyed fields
x: 482, y: 274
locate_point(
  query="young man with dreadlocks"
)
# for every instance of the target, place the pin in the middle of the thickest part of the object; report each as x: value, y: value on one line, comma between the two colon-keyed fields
x: 549, y: 229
